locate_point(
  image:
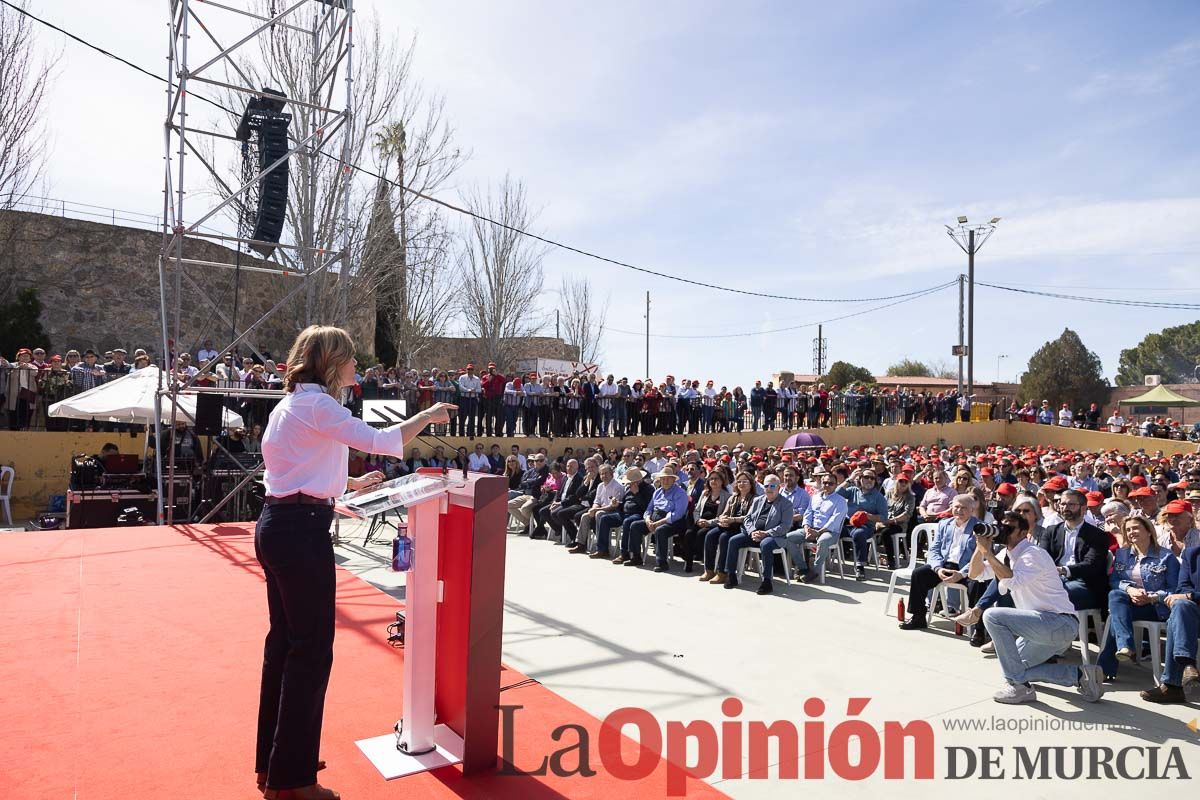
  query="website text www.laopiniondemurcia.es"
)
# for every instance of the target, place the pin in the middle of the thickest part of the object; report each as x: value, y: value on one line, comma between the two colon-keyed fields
x: 852, y: 749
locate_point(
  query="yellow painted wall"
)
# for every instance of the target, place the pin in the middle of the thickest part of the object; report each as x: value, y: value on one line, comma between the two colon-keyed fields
x: 1029, y: 435
x: 42, y: 459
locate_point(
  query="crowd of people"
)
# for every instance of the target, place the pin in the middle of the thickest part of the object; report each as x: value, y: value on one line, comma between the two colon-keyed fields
x: 1114, y: 534
x: 492, y: 404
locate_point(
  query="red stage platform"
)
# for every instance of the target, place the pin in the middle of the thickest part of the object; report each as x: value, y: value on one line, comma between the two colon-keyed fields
x: 129, y: 663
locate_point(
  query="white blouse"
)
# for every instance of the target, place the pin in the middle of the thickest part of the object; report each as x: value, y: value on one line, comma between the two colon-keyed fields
x: 304, y: 446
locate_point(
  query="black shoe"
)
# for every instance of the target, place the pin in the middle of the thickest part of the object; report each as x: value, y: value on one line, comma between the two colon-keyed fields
x: 765, y: 588
x: 538, y: 535
x: 860, y: 573
x: 914, y: 623
x: 978, y: 637
x: 809, y: 576
x: 633, y: 562
x: 1164, y: 693
x: 731, y: 583
x: 661, y: 568
x: 687, y: 568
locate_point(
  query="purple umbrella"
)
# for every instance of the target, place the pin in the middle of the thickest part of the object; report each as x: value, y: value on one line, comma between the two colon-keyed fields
x: 799, y: 440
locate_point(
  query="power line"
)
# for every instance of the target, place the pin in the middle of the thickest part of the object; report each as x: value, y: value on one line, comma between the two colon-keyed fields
x: 1104, y: 300
x: 483, y: 218
x: 926, y: 292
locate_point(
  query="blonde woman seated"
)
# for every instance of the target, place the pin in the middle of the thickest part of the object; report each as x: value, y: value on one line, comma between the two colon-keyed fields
x: 1144, y: 573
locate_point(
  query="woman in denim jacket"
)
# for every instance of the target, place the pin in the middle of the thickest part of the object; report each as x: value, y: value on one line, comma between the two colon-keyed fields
x: 1143, y: 574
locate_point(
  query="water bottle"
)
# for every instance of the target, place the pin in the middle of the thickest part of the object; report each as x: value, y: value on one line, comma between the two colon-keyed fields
x: 402, y: 553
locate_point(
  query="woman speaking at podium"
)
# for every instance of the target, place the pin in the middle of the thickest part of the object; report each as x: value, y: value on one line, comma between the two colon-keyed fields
x: 304, y: 450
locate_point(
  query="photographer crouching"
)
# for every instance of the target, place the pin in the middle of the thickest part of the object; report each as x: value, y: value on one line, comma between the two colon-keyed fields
x: 1043, y: 623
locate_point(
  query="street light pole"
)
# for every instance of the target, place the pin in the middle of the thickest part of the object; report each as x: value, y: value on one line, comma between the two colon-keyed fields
x: 998, y: 366
x: 971, y: 238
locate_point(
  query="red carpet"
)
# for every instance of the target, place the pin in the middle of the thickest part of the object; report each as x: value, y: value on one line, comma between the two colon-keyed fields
x: 129, y: 669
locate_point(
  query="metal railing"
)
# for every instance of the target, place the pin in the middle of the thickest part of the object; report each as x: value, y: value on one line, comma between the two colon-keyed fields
x: 59, y: 207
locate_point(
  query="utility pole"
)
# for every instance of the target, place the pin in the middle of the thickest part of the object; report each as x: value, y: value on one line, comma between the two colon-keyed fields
x: 557, y: 333
x: 647, y: 334
x: 961, y: 280
x: 965, y: 237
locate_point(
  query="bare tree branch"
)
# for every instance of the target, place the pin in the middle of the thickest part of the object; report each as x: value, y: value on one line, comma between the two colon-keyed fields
x: 583, y: 317
x: 24, y: 80
x: 501, y: 271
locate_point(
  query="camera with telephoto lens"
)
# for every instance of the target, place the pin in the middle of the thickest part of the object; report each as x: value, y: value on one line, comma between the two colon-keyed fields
x: 990, y: 530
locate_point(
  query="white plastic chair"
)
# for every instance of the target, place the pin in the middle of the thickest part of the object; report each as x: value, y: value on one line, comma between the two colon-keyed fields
x: 1154, y: 631
x: 746, y: 553
x: 926, y: 529
x: 1089, y: 619
x: 8, y: 476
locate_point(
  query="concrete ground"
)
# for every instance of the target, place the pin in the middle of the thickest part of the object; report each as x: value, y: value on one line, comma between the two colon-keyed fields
x: 605, y: 637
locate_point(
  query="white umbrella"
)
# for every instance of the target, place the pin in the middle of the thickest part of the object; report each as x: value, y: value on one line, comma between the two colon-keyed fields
x: 130, y: 398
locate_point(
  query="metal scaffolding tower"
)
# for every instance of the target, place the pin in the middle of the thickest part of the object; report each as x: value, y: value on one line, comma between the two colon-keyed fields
x: 196, y: 59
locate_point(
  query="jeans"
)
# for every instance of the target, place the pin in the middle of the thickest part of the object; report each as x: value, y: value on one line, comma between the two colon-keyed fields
x: 991, y: 597
x: 756, y: 416
x: 293, y: 546
x: 795, y: 544
x: 1025, y: 639
x: 824, y: 544
x: 604, y: 525
x: 468, y: 408
x: 662, y: 540
x: 1080, y: 595
x: 862, y: 542
x: 1183, y: 628
x: 510, y: 421
x: 1122, y: 613
x: 732, y: 547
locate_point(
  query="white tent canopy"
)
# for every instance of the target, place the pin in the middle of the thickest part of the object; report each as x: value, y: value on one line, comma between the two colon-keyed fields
x: 130, y: 398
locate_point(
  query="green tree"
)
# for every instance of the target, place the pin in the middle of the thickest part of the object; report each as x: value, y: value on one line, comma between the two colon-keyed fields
x: 1065, y: 371
x: 908, y: 366
x: 20, y: 324
x: 1172, y: 353
x: 844, y: 373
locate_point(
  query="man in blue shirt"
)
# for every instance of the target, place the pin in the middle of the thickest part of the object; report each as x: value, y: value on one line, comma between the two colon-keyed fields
x: 823, y: 522
x: 1183, y: 629
x: 664, y: 518
x: 867, y: 498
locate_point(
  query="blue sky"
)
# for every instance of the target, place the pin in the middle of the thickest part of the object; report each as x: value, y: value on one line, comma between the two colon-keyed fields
x: 793, y: 148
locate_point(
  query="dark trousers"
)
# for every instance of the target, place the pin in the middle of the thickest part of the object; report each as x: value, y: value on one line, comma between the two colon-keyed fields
x: 693, y: 543
x: 924, y: 579
x: 662, y: 540
x: 293, y: 546
x: 604, y: 525
x: 541, y: 515
x: 467, y: 411
x: 716, y: 544
x: 566, y: 518
x: 1082, y: 597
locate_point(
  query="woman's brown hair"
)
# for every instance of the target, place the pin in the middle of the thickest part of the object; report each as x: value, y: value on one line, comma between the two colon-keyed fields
x: 317, y: 357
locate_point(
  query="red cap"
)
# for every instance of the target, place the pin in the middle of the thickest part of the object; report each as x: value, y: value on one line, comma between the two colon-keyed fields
x: 1138, y: 480
x: 1178, y: 507
x: 1095, y: 499
x: 987, y: 471
x: 761, y: 465
x: 24, y: 350
x: 1142, y: 491
x: 56, y: 357
x: 470, y: 366
x: 491, y: 365
x: 1006, y: 489
x: 1056, y: 484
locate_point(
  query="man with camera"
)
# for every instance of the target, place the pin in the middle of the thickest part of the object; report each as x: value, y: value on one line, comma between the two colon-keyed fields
x: 951, y: 549
x: 1041, y: 625
x: 1080, y: 550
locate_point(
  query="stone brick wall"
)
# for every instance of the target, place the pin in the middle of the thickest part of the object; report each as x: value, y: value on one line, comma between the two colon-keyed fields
x: 98, y: 285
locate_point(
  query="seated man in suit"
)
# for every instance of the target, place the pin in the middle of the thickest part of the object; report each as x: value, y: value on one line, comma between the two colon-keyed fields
x: 947, y: 560
x: 569, y: 503
x: 1080, y: 550
x: 766, y: 526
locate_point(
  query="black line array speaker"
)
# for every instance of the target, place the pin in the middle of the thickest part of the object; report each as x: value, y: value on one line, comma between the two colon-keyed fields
x: 264, y: 117
x: 208, y: 414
